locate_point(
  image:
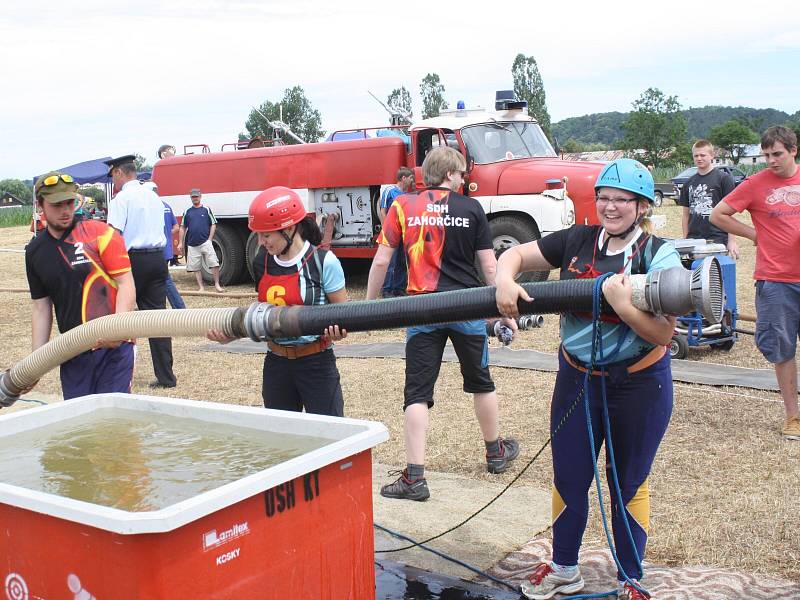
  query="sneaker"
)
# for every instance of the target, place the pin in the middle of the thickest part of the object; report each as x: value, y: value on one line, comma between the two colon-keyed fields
x: 628, y: 592
x: 405, y: 489
x: 544, y: 583
x: 791, y: 429
x: 158, y: 385
x: 498, y: 463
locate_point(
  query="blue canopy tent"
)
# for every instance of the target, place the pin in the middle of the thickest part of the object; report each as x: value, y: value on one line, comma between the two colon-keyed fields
x: 90, y: 171
x: 93, y: 171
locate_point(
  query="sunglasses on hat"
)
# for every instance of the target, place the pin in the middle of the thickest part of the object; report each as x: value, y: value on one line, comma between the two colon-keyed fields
x: 53, y: 179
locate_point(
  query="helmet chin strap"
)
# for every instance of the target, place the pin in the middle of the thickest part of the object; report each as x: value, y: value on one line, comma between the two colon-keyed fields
x: 289, y: 240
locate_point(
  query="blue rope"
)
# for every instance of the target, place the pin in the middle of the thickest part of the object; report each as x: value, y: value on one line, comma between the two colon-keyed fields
x: 597, y: 348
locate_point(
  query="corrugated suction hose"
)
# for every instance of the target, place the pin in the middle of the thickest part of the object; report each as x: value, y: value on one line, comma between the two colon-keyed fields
x: 123, y: 326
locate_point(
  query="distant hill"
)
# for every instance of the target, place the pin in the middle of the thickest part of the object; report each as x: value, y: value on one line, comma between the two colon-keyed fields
x: 606, y: 128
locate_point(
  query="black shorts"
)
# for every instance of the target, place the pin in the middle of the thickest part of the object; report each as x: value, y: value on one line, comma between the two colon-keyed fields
x: 424, y: 350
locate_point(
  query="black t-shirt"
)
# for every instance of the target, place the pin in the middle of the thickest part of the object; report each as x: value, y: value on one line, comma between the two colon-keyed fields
x: 577, y: 253
x: 700, y: 195
x: 440, y: 231
x: 77, y: 270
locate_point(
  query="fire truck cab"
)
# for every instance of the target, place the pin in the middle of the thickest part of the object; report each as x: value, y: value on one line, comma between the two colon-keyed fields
x: 513, y: 171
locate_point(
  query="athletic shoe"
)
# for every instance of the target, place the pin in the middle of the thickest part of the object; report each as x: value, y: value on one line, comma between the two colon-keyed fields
x: 544, y: 583
x: 498, y: 463
x: 791, y: 429
x: 628, y: 592
x: 158, y: 385
x: 405, y: 489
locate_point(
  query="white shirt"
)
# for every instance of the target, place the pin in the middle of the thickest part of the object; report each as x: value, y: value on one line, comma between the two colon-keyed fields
x: 138, y: 213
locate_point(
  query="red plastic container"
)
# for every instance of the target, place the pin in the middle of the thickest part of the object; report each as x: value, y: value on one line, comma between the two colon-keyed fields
x: 301, y: 529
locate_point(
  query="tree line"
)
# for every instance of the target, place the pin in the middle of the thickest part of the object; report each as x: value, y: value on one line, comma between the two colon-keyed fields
x: 660, y: 132
x: 296, y: 111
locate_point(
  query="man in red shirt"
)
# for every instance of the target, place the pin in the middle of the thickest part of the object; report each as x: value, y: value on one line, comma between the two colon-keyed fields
x: 772, y: 197
x: 81, y: 269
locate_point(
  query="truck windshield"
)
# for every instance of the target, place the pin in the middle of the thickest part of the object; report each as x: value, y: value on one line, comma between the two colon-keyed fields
x: 493, y: 142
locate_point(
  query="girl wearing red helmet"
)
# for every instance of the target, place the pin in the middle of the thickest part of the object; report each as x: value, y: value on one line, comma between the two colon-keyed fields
x: 299, y: 373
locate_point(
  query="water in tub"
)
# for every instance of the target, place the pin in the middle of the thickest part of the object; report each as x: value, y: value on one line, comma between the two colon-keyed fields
x: 140, y: 461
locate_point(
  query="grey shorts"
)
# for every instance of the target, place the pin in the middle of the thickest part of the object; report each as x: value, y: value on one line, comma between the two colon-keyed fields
x: 197, y: 255
x: 778, y: 323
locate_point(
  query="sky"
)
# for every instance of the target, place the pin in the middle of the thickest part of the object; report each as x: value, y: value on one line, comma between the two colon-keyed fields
x: 91, y: 79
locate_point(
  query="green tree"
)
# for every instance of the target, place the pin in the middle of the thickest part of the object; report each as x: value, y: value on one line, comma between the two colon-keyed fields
x: 573, y: 145
x: 795, y: 125
x: 98, y: 195
x: 528, y: 86
x: 432, y: 92
x: 295, y: 110
x: 732, y: 138
x: 17, y: 188
x: 400, y: 100
x: 655, y: 127
x: 681, y: 156
x: 140, y: 162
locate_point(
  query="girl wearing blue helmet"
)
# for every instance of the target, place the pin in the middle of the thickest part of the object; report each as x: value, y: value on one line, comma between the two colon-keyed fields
x: 634, y: 362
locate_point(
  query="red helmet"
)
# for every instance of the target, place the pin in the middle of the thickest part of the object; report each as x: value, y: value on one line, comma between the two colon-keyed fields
x: 274, y: 209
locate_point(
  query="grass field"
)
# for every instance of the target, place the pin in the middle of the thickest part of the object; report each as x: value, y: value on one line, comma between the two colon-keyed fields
x: 724, y: 485
x: 14, y: 216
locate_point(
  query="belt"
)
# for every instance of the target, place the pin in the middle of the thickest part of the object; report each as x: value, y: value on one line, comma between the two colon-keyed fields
x: 293, y: 352
x: 647, y: 360
x: 145, y: 250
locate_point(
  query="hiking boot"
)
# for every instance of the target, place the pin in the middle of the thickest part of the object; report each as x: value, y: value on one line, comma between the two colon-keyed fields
x: 791, y: 429
x: 498, y: 463
x: 628, y: 592
x: 544, y: 583
x: 405, y: 489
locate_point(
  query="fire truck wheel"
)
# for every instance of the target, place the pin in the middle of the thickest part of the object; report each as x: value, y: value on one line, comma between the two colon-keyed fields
x: 229, y: 246
x: 511, y: 231
x: 679, y: 347
x: 251, y: 249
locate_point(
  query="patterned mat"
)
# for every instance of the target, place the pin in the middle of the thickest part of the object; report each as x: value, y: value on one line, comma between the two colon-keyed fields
x: 664, y: 583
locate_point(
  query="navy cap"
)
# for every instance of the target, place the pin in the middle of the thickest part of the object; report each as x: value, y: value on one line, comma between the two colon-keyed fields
x: 116, y: 162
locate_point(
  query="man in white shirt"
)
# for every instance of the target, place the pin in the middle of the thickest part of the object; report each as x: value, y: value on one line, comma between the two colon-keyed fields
x: 138, y: 215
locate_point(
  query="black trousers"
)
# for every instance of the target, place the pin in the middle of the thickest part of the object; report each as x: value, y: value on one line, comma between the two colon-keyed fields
x: 311, y: 382
x: 150, y: 276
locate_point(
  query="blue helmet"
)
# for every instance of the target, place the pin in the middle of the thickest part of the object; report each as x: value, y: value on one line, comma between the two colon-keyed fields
x: 627, y: 174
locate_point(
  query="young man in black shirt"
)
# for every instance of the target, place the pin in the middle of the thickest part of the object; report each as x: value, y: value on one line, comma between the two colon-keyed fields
x: 442, y: 233
x: 704, y: 190
x: 81, y: 269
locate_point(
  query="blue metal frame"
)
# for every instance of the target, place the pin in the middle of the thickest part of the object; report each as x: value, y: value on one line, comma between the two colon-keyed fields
x: 694, y: 321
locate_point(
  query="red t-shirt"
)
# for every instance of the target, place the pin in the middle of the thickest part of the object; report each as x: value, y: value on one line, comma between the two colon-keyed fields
x: 774, y: 205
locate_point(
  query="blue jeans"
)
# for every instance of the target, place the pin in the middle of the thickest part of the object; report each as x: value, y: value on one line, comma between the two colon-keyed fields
x: 396, y: 280
x: 174, y: 298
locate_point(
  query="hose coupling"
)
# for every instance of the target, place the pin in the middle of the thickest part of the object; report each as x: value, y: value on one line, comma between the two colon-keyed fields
x: 255, y: 321
x: 9, y: 393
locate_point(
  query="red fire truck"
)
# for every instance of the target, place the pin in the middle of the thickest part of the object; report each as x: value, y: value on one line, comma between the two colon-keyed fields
x: 525, y: 189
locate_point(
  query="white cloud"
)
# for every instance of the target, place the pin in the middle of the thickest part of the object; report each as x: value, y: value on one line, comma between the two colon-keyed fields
x: 108, y: 79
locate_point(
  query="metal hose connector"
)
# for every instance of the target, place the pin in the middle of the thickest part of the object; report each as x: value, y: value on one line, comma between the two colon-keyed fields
x: 118, y: 327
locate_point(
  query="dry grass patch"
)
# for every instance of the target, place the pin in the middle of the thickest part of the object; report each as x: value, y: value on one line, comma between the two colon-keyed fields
x: 724, y: 484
